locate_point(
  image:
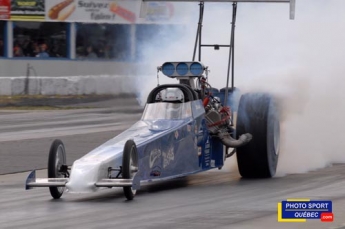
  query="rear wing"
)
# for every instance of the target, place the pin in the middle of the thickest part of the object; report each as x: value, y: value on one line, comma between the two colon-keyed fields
x: 292, y: 3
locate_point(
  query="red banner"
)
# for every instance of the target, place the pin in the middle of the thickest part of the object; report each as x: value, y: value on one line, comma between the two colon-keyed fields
x: 5, y: 9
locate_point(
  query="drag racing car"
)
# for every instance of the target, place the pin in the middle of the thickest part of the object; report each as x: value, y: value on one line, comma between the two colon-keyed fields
x: 182, y: 131
x: 186, y: 128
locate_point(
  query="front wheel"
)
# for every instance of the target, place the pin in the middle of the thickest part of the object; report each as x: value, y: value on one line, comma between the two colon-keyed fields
x: 129, y: 166
x: 57, y: 158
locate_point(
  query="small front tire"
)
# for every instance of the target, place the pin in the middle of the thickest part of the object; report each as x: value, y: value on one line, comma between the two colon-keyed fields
x: 57, y: 158
x: 129, y: 166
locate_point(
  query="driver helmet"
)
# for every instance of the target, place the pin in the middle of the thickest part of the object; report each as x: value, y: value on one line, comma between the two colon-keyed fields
x: 174, y: 95
x: 174, y: 110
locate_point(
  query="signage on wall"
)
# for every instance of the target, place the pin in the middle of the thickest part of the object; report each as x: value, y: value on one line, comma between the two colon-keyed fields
x: 103, y: 11
x: 5, y: 9
x: 92, y: 11
x: 108, y: 11
x: 30, y: 10
x: 159, y: 11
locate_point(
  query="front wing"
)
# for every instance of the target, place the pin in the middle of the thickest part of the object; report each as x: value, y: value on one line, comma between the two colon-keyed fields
x: 32, y: 182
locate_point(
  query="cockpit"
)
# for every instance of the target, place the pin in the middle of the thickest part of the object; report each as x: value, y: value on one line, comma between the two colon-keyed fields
x: 169, y: 104
x: 166, y: 110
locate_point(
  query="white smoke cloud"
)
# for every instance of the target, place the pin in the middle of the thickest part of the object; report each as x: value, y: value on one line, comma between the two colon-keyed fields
x: 300, y: 61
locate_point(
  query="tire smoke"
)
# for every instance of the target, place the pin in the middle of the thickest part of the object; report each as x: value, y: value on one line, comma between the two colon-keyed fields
x: 299, y: 61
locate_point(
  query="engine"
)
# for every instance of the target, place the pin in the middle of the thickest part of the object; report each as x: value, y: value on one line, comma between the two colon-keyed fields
x: 219, y: 122
x: 217, y: 116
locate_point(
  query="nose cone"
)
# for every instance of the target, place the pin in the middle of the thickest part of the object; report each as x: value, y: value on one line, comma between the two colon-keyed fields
x: 83, y: 176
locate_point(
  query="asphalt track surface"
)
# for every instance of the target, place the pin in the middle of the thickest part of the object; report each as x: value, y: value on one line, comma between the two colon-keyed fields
x: 213, y: 199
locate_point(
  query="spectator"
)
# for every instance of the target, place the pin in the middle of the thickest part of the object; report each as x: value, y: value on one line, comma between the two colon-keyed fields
x: 35, y: 49
x: 17, y: 50
x: 90, y: 53
x: 43, y: 51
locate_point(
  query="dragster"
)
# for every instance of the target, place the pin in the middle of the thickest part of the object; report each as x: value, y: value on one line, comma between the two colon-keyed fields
x: 186, y: 128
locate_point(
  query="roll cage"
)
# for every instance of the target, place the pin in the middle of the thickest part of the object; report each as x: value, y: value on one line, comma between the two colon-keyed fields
x: 188, y: 93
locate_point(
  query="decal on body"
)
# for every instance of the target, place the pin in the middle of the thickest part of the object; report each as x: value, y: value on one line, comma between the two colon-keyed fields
x: 168, y: 156
x: 154, y: 155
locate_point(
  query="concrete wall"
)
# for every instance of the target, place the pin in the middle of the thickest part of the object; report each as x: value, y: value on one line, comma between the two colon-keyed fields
x: 49, y: 77
x: 18, y: 67
x: 72, y: 85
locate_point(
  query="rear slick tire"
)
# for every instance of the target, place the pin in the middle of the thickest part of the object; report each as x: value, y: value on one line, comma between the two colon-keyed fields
x: 129, y: 166
x: 57, y: 158
x: 259, y: 116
